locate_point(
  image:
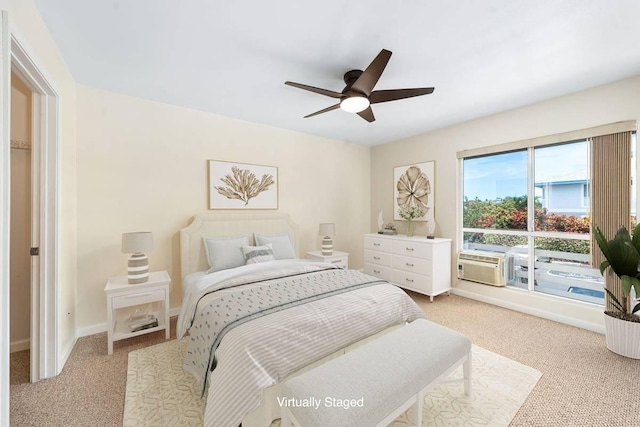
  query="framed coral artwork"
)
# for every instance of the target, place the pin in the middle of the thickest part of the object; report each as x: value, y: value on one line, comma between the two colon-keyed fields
x: 242, y: 186
x: 414, y: 186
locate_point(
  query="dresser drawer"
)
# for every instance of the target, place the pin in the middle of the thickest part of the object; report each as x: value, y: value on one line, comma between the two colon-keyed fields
x: 415, y: 282
x: 412, y: 264
x: 378, y: 244
x: 142, y: 297
x: 376, y: 257
x: 412, y: 248
x: 377, y: 271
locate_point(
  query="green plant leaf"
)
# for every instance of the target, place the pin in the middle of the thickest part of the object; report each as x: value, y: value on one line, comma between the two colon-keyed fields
x: 614, y: 301
x: 626, y: 284
x: 636, y: 308
x: 636, y: 237
x: 620, y: 252
x: 604, y: 266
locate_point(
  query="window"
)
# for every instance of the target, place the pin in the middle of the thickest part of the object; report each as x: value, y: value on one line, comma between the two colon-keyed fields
x: 495, y: 191
x: 533, y: 206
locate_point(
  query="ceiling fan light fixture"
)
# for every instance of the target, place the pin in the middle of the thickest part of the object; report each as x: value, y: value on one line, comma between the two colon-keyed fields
x: 354, y: 104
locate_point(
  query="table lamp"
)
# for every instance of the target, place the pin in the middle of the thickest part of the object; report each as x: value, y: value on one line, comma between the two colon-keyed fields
x: 136, y: 244
x: 327, y: 230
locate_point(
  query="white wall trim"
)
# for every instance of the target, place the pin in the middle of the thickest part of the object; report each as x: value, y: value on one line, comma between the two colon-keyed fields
x: 102, y: 327
x: 5, y: 183
x: 535, y: 311
x: 20, y: 345
x: 66, y: 352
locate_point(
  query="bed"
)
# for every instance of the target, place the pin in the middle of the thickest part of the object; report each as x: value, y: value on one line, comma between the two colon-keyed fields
x: 294, y: 315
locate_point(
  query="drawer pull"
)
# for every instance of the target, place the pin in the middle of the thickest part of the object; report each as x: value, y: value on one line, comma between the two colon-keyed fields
x: 376, y: 257
x: 376, y: 271
x: 337, y: 261
x: 409, y: 280
x: 409, y: 264
x: 409, y: 249
x: 376, y: 244
x: 138, y: 295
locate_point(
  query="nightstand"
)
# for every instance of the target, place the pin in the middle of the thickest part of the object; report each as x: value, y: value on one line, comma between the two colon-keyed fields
x: 338, y: 258
x: 122, y: 299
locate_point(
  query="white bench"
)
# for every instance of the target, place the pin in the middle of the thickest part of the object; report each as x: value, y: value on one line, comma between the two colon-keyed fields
x: 378, y: 381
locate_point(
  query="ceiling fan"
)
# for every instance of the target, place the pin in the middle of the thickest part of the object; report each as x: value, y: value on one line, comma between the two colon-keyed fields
x: 358, y: 94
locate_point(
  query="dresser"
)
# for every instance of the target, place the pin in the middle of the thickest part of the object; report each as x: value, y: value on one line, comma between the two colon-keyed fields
x: 416, y: 263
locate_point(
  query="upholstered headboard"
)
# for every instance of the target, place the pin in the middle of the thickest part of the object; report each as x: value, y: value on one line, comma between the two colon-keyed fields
x: 192, y: 254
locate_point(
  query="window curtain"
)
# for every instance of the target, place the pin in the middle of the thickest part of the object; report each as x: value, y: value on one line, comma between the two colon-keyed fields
x: 610, y: 195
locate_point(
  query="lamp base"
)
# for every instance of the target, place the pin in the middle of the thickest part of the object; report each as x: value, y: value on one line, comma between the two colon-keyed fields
x: 327, y: 246
x: 138, y: 269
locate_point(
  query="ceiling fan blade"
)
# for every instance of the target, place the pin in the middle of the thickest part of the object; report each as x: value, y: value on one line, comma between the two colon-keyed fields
x: 371, y: 75
x: 321, y: 91
x: 379, y: 96
x: 326, y: 110
x: 367, y: 115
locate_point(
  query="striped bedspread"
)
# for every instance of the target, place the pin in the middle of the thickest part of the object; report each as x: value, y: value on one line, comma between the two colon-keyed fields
x: 257, y: 354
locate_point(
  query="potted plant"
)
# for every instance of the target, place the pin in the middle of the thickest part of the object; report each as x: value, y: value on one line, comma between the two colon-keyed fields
x: 622, y: 325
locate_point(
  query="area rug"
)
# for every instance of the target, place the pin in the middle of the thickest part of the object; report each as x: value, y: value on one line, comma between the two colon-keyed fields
x: 161, y: 393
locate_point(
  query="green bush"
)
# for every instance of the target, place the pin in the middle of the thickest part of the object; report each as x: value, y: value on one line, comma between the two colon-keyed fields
x: 511, y: 213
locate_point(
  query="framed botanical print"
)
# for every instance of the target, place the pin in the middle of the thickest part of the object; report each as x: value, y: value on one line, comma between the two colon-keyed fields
x: 414, y: 186
x: 242, y: 186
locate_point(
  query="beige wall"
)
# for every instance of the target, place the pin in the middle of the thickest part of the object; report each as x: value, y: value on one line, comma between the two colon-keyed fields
x: 27, y: 24
x: 142, y: 166
x: 20, y: 267
x: 605, y: 104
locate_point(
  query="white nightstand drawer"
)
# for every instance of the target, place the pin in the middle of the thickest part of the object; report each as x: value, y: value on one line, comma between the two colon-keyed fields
x: 340, y: 262
x: 377, y: 244
x: 376, y: 257
x: 377, y: 271
x: 411, y: 264
x: 142, y: 297
x: 409, y: 248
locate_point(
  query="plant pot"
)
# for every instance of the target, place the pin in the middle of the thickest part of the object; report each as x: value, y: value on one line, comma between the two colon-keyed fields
x: 623, y: 337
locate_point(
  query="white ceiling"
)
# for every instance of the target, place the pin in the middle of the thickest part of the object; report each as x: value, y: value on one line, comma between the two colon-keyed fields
x: 233, y: 57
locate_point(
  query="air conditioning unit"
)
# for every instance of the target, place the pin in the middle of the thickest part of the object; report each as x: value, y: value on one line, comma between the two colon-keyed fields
x: 483, y: 267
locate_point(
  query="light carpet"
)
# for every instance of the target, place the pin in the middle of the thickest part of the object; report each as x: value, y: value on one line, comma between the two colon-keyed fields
x: 160, y: 392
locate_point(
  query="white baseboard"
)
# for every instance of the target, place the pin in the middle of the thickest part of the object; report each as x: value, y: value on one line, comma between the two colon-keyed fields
x: 545, y: 314
x: 102, y: 327
x: 66, y: 352
x: 20, y: 345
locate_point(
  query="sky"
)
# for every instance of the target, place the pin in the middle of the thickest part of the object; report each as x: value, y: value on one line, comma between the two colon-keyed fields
x: 499, y: 176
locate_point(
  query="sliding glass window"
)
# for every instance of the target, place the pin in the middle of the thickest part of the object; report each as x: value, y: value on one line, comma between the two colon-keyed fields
x: 532, y: 207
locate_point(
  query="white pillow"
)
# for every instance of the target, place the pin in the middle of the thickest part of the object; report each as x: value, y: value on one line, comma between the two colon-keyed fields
x: 282, y: 247
x: 256, y: 254
x: 224, y: 253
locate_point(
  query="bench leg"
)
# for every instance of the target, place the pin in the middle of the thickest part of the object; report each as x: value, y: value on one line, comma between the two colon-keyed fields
x: 417, y: 409
x: 466, y: 373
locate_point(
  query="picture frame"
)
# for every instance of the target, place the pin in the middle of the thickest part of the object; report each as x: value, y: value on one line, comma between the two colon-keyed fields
x: 414, y: 185
x: 242, y: 185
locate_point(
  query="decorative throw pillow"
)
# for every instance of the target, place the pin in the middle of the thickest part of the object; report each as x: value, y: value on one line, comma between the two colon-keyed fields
x: 256, y: 254
x: 282, y: 247
x: 224, y: 253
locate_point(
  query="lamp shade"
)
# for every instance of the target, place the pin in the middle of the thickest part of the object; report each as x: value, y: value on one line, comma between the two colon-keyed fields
x: 138, y: 242
x: 327, y: 229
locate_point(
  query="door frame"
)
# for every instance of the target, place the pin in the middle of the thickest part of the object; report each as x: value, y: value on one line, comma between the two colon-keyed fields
x: 5, y: 209
x: 45, y: 348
